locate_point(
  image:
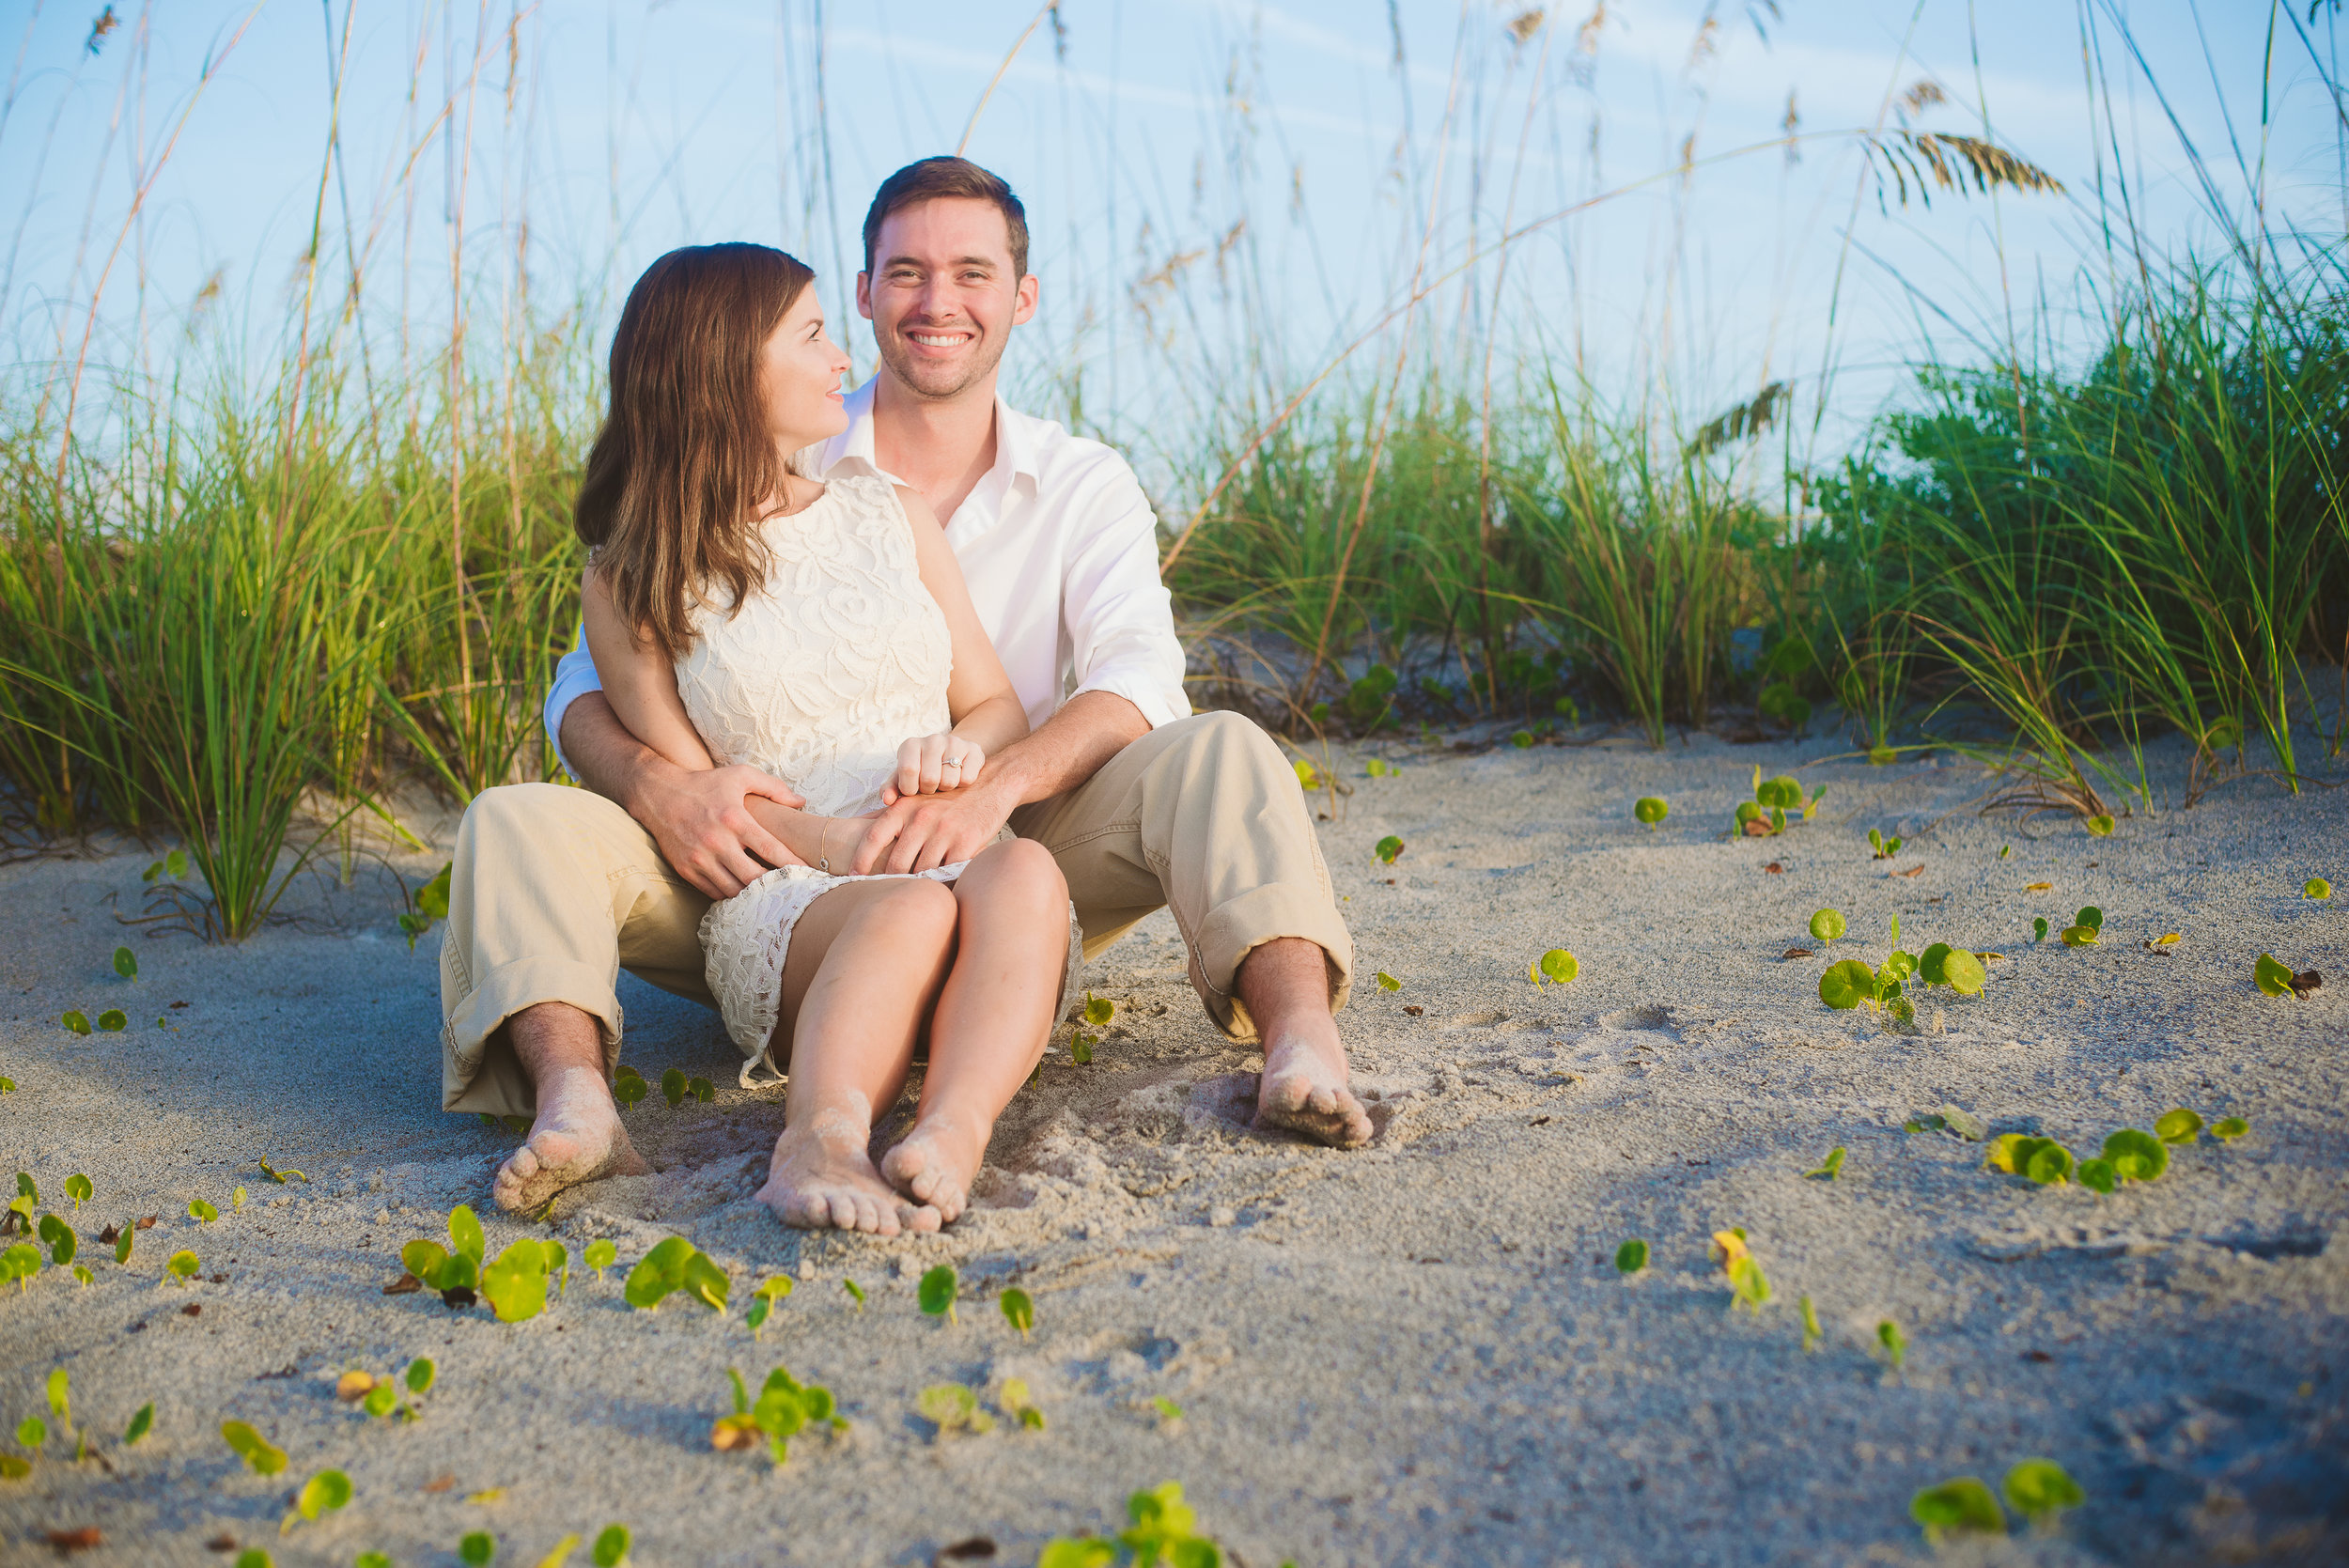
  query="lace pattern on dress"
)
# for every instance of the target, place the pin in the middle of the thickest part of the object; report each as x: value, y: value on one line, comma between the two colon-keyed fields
x: 817, y: 678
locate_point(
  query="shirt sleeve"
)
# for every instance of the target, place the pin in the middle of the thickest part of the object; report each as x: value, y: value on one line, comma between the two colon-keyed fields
x: 1119, y: 617
x: 574, y: 677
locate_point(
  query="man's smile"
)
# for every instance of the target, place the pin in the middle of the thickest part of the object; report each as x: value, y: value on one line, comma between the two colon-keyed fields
x: 940, y: 341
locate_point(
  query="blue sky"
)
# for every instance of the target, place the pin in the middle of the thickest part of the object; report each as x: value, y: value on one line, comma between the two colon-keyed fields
x: 1141, y: 132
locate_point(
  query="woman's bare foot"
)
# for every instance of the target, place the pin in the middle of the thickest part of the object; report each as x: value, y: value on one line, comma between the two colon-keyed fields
x: 936, y: 1163
x: 576, y: 1137
x: 1303, y: 1090
x: 823, y: 1178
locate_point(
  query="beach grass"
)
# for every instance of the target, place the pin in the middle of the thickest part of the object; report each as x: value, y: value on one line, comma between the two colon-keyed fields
x: 242, y: 609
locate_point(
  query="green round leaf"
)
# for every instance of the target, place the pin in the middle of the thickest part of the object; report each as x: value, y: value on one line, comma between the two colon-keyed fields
x: 610, y: 1549
x: 1847, y: 985
x: 2100, y: 827
x: 628, y: 1088
x: 1559, y: 967
x: 111, y: 1021
x: 600, y: 1255
x: 2090, y: 916
x: 936, y: 1289
x: 259, y: 1455
x: 322, y: 1493
x: 1651, y: 809
x: 516, y: 1283
x: 21, y: 1263
x: 1018, y: 1310
x: 77, y: 1186
x: 2272, y: 977
x: 2036, y: 1488
x: 1781, y: 793
x: 1387, y: 848
x: 1827, y: 926
x: 2049, y: 1165
x: 1521, y: 740
x: 420, y: 1374
x: 2079, y: 935
x: 1929, y: 964
x: 2137, y: 1157
x: 2228, y: 1128
x: 77, y: 1021
x: 32, y: 1431
x: 1632, y: 1256
x: 478, y: 1549
x: 200, y: 1210
x: 2039, y: 928
x: 2316, y: 887
x: 1957, y: 1507
x: 672, y: 1086
x: 2178, y: 1127
x: 1963, y: 973
x: 464, y: 1233
x: 126, y: 963
x: 423, y: 1259
x: 183, y: 1263
x: 2097, y: 1175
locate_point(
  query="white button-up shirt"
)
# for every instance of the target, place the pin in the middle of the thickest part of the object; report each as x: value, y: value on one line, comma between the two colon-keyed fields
x: 1061, y: 550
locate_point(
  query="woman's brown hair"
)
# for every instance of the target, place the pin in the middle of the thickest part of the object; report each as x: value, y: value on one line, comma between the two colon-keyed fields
x: 684, y: 460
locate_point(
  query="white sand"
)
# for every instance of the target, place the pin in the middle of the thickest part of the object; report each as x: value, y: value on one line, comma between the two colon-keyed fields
x: 1407, y: 1354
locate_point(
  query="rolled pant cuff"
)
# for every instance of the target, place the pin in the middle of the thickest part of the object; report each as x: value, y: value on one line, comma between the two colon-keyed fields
x: 477, y: 1076
x: 1235, y: 929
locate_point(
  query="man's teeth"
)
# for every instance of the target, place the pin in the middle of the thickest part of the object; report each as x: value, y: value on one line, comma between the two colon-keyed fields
x: 933, y: 341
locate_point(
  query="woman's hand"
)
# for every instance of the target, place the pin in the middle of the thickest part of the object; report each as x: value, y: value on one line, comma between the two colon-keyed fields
x: 934, y: 764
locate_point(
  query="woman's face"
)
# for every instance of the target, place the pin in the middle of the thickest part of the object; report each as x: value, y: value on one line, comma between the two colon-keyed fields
x: 799, y: 370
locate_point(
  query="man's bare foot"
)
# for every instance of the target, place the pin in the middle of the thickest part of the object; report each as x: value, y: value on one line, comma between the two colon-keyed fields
x: 1303, y: 1090
x: 576, y: 1137
x: 821, y: 1177
x: 937, y: 1162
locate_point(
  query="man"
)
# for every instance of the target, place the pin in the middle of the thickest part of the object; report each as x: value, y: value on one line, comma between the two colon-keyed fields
x: 1142, y: 804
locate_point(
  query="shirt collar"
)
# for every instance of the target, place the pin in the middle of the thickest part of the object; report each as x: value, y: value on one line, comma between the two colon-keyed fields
x: 1015, y: 444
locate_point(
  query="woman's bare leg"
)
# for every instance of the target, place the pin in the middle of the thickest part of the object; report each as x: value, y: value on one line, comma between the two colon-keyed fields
x: 864, y: 967
x: 993, y: 1016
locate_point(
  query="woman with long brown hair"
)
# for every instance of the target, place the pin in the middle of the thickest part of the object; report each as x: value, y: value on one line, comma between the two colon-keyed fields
x: 740, y: 612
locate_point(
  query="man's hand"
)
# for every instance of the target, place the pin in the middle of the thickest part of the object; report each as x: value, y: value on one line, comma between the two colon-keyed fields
x: 921, y: 832
x: 705, y: 832
x: 698, y: 819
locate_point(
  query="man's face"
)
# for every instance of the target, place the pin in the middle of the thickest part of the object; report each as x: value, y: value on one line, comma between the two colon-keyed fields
x: 942, y: 295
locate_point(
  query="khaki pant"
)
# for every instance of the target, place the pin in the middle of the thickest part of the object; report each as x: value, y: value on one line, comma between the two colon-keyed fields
x: 555, y: 890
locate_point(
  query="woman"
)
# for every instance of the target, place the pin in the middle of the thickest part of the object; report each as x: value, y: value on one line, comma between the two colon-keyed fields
x: 740, y: 611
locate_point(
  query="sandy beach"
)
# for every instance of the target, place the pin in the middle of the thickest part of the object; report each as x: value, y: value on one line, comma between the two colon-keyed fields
x: 1421, y: 1352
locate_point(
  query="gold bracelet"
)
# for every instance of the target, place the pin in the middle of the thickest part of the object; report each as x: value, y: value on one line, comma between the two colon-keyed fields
x: 823, y: 849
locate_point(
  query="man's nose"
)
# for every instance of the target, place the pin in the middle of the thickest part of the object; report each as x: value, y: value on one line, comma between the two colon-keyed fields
x: 939, y: 301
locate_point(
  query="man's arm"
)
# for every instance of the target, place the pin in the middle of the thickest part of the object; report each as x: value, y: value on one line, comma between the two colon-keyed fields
x: 919, y: 832
x: 703, y: 822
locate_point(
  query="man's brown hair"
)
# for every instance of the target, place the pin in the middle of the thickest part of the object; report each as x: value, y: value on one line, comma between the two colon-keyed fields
x: 930, y: 179
x: 670, y: 501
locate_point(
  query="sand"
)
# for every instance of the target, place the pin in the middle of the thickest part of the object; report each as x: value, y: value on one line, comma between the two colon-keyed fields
x: 1419, y: 1352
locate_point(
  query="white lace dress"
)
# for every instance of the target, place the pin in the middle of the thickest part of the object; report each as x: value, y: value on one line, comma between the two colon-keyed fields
x: 840, y: 657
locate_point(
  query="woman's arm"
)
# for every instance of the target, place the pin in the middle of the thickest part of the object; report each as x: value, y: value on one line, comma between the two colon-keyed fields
x: 638, y: 681
x: 986, y: 711
x: 641, y: 687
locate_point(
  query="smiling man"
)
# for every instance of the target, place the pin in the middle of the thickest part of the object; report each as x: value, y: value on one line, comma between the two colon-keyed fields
x: 1141, y: 803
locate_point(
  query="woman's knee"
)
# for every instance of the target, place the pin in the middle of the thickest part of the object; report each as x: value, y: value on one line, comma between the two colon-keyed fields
x: 915, y: 908
x: 1018, y: 872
